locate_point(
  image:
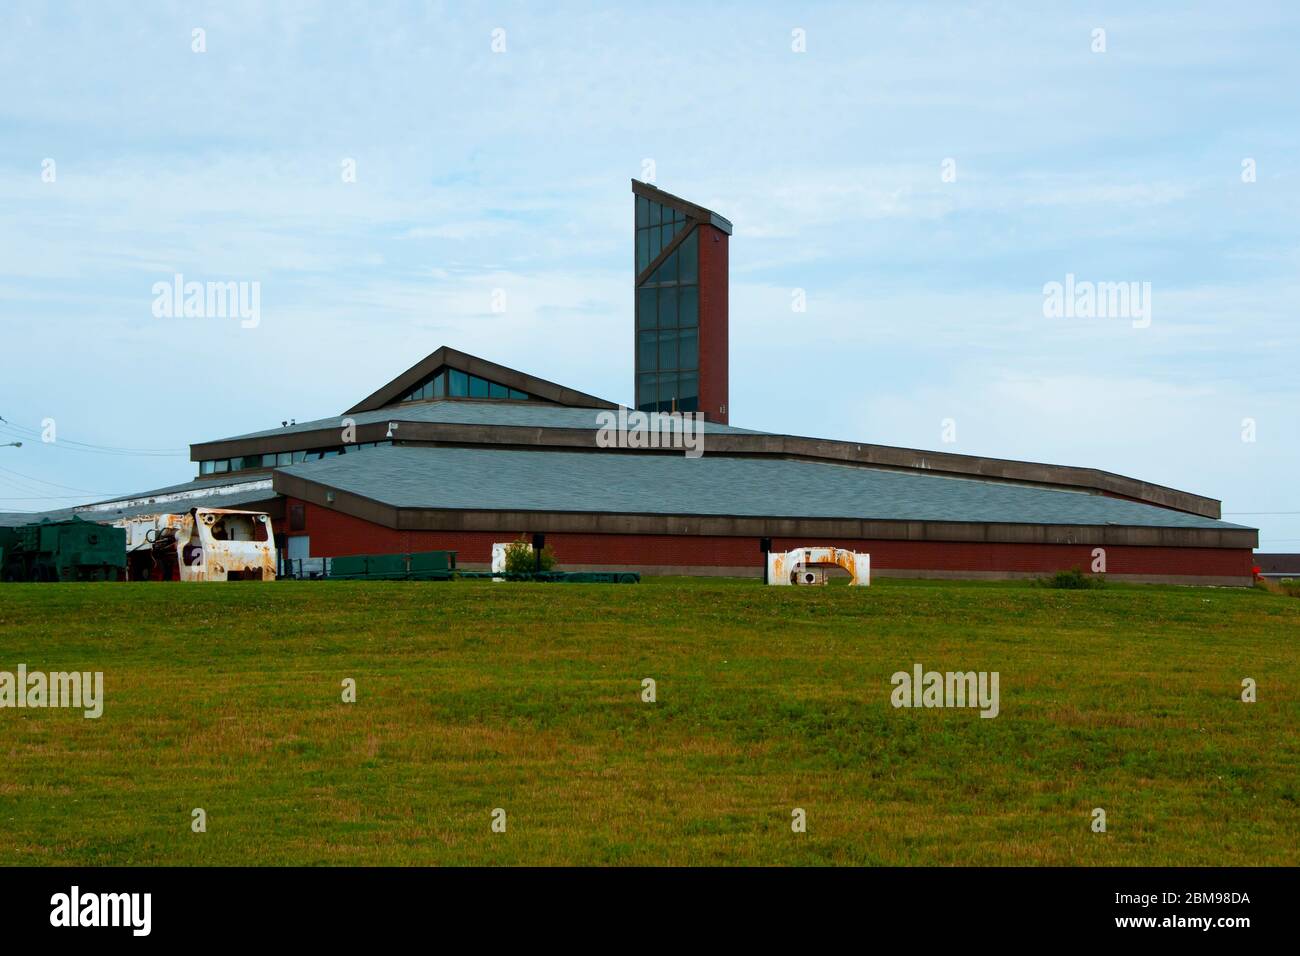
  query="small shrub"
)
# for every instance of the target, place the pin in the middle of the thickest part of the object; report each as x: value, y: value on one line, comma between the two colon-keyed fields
x: 521, y: 560
x: 1072, y: 580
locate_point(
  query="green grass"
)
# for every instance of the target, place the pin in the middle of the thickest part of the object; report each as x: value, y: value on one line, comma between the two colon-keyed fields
x: 477, y: 695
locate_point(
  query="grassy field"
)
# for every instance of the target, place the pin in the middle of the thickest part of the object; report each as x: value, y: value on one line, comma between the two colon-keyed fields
x: 473, y: 696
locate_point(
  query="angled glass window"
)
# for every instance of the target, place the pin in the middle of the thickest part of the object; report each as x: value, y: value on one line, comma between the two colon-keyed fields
x: 667, y: 272
x: 689, y: 253
x: 667, y: 306
x: 452, y: 383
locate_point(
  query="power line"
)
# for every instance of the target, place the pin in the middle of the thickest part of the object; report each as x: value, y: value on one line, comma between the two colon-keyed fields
x: 73, y: 445
x: 54, y: 484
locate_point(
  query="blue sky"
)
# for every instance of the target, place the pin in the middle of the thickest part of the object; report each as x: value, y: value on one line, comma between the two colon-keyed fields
x: 479, y: 170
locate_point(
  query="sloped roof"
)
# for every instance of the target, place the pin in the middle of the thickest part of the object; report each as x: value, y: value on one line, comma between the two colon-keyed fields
x: 462, y: 411
x: 541, y: 388
x: 426, y: 477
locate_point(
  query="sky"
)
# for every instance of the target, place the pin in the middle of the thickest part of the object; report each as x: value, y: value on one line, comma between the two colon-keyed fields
x: 400, y: 176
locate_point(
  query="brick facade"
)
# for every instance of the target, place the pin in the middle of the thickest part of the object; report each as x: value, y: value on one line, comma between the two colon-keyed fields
x: 334, y: 533
x: 713, y: 324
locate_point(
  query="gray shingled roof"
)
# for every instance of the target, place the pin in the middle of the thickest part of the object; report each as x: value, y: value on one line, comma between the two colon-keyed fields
x: 235, y: 498
x: 461, y: 412
x: 498, y: 479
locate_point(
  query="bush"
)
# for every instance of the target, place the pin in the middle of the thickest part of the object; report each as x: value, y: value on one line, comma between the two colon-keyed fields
x: 520, y: 558
x: 1072, y: 580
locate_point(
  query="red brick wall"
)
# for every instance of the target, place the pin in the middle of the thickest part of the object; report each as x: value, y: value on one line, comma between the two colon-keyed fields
x: 333, y: 533
x: 713, y: 324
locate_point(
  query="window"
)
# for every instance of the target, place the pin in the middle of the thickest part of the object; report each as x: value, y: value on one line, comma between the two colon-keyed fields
x: 205, y: 467
x: 667, y: 312
x: 452, y: 383
x: 221, y: 465
x: 647, y: 309
x: 647, y: 351
x: 284, y: 458
x: 656, y: 227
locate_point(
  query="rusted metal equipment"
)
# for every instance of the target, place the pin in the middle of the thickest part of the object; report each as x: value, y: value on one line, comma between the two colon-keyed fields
x: 202, y: 544
x: 808, y: 566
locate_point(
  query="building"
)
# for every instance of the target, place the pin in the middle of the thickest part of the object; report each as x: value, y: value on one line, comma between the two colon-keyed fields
x: 458, y: 452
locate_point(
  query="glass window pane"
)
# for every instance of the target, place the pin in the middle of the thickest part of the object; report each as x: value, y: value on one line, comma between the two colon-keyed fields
x: 458, y: 382
x: 653, y: 233
x: 642, y: 250
x: 647, y: 315
x: 665, y: 236
x: 688, y: 392
x: 646, y: 396
x: 284, y: 458
x: 647, y: 351
x: 440, y: 385
x: 667, y: 391
x: 521, y: 396
x: 221, y: 466
x: 478, y: 388
x: 668, y: 349
x: 688, y: 306
x: 642, y: 211
x: 299, y: 456
x: 497, y: 391
x: 668, y: 271
x: 667, y: 307
x: 688, y: 349
x: 689, y: 269
x: 205, y: 467
x: 252, y: 461
x: 656, y: 211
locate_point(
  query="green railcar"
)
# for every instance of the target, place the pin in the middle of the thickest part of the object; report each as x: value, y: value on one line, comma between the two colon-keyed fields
x: 72, y: 550
x: 422, y: 566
